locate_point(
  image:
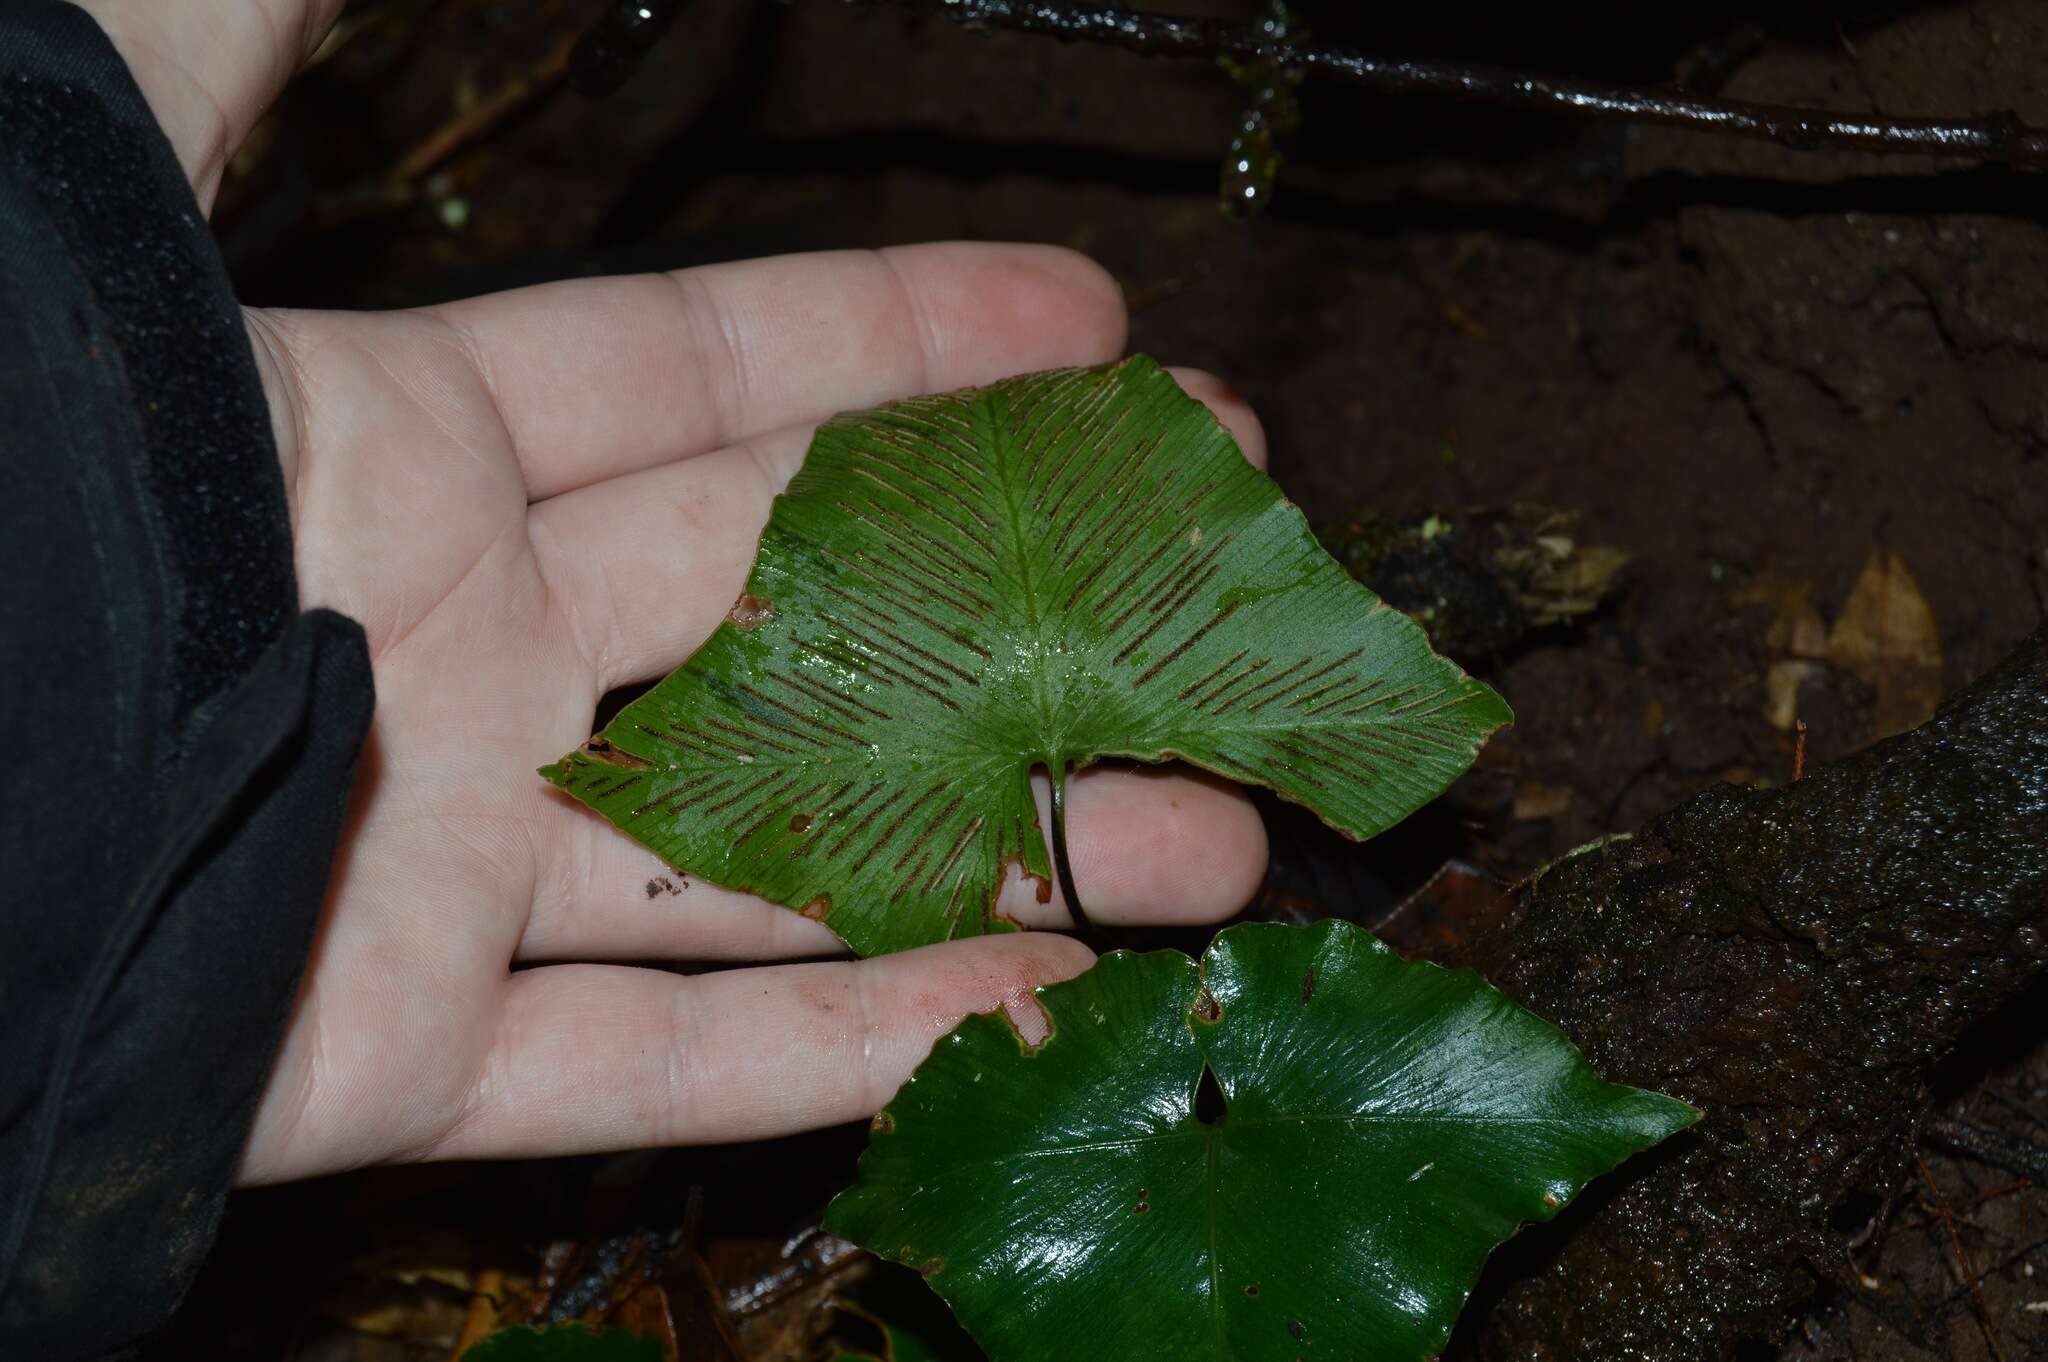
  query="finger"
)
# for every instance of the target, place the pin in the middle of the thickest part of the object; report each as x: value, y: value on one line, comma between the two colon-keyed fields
x: 1227, y: 404
x: 595, y: 378
x: 599, y: 1057
x: 1148, y: 845
x: 210, y: 70
x: 646, y: 565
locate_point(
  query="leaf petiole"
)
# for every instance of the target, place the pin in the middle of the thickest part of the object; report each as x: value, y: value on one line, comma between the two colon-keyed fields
x: 1061, y: 865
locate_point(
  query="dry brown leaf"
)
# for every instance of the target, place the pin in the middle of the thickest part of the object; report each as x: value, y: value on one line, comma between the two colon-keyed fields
x: 1798, y: 638
x: 1781, y: 691
x: 1535, y: 800
x: 1886, y: 637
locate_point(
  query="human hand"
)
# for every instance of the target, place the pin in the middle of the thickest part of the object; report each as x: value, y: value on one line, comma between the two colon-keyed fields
x: 528, y: 500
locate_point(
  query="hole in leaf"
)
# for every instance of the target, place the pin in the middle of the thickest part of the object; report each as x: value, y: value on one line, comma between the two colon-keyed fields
x: 1029, y: 1019
x: 1209, y: 1102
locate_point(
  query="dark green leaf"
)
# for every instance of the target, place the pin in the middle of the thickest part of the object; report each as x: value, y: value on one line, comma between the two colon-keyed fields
x: 1058, y: 568
x: 564, y: 1343
x: 1387, y: 1125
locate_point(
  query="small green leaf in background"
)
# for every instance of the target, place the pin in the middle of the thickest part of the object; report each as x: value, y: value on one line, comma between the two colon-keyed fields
x: 955, y: 589
x: 1386, y: 1124
x: 564, y: 1343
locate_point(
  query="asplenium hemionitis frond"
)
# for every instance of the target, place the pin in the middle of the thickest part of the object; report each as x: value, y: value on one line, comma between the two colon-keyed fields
x: 956, y: 589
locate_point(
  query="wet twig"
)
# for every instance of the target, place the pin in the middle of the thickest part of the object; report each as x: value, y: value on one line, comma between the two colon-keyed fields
x: 1987, y: 137
x: 540, y: 79
x: 1966, y: 1270
x: 1996, y: 1148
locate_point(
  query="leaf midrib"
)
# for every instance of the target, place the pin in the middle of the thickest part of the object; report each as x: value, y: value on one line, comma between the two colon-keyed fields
x: 1001, y: 443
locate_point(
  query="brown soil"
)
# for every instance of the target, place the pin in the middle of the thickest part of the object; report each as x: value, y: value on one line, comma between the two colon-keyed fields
x: 1749, y: 368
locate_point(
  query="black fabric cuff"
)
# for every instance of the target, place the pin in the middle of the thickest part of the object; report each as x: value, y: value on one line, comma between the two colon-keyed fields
x: 179, y: 738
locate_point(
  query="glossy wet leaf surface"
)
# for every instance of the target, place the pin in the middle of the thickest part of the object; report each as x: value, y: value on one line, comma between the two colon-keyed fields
x: 1386, y: 1124
x: 955, y: 589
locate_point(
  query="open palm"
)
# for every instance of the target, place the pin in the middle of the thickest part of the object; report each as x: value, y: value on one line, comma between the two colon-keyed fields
x: 528, y: 500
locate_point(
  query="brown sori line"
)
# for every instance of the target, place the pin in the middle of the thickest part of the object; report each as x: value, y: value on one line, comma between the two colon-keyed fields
x: 1167, y: 611
x: 763, y: 740
x: 1130, y: 528
x: 680, y: 798
x: 1154, y: 602
x: 908, y: 576
x: 777, y: 796
x: 851, y: 660
x: 1306, y: 696
x: 1079, y: 414
x: 861, y: 604
x: 969, y: 644
x: 1355, y: 693
x: 1040, y: 396
x: 813, y: 720
x: 1190, y: 562
x: 1221, y: 667
x: 1045, y: 436
x: 1282, y: 761
x: 744, y: 792
x: 846, y: 706
x: 716, y: 747
x: 698, y: 746
x: 1312, y: 677
x: 653, y: 733
x: 967, y: 476
x: 1100, y: 446
x: 1117, y: 478
x: 862, y: 826
x: 1351, y: 746
x: 1366, y: 739
x: 1271, y: 681
x: 858, y: 570
x: 1216, y: 694
x: 910, y: 544
x: 948, y: 701
x: 1115, y: 508
x: 887, y: 675
x: 924, y: 833
x: 1392, y: 698
x: 605, y: 787
x: 1411, y: 740
x: 933, y: 418
x: 918, y: 476
x: 1196, y: 498
x: 969, y: 677
x: 966, y: 836
x: 1190, y: 641
x: 904, y: 885
x: 930, y: 676
x: 896, y: 826
x: 1413, y: 709
x: 894, y: 673
x: 1447, y: 736
x: 981, y: 570
x: 921, y: 503
x: 1144, y: 566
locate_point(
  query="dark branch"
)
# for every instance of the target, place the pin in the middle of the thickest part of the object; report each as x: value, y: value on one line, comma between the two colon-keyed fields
x: 1997, y: 1148
x: 1988, y: 137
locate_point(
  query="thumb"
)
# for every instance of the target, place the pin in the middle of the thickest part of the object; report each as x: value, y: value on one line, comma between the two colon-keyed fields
x: 209, y: 68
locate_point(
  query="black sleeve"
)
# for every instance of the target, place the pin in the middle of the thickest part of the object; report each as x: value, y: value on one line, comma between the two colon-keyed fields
x: 177, y: 738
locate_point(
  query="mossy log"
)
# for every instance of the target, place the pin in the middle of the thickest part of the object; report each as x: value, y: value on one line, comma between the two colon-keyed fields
x: 1796, y: 962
